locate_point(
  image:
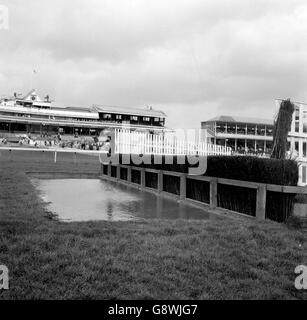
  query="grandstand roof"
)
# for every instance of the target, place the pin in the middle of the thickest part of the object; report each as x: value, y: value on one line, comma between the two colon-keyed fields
x: 235, y: 119
x: 146, y: 112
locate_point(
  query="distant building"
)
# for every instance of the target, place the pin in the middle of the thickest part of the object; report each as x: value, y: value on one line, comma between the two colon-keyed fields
x: 298, y: 139
x: 243, y: 135
x: 33, y: 115
x: 255, y: 136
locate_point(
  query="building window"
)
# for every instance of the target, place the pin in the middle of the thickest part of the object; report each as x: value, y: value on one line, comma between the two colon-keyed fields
x: 260, y: 130
x: 118, y: 117
x: 146, y: 119
x: 106, y: 116
x: 251, y: 129
x: 241, y: 129
x: 134, y: 118
x: 304, y: 149
x: 304, y: 174
x: 220, y: 127
x: 305, y: 127
x: 296, y: 146
x: 269, y: 131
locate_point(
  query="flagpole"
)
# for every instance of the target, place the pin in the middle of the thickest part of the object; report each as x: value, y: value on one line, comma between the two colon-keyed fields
x: 32, y: 77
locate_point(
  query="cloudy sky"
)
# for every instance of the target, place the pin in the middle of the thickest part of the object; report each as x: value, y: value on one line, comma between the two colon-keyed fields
x: 193, y: 59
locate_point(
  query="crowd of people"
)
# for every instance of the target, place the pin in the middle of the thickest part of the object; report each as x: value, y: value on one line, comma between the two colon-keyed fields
x: 58, y: 141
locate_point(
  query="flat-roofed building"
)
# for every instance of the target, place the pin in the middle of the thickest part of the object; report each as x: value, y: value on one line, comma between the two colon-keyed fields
x: 298, y: 139
x: 243, y: 135
x: 32, y: 115
x: 254, y: 136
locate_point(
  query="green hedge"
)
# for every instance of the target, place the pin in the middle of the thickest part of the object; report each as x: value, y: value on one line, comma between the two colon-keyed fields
x: 262, y: 170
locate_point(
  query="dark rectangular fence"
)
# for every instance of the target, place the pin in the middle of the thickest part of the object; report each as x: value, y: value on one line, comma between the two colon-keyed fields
x: 198, y: 190
x: 254, y: 199
x: 124, y: 173
x: 136, y: 176
x: 113, y: 171
x: 151, y: 180
x: 237, y: 199
x: 171, y: 184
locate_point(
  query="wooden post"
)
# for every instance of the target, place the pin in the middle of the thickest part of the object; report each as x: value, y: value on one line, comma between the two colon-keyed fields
x: 261, y: 202
x: 183, y: 186
x: 118, y: 172
x: 160, y: 181
x: 129, y: 174
x: 143, y: 178
x: 55, y: 156
x: 213, y: 193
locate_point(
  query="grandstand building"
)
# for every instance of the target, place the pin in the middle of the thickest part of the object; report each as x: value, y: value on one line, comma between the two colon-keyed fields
x: 255, y: 136
x: 243, y: 135
x: 32, y: 115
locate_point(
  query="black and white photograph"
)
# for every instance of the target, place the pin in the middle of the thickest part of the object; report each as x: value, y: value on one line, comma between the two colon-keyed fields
x: 153, y: 154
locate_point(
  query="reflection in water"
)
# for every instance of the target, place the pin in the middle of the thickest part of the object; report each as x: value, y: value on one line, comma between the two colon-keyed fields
x: 95, y: 199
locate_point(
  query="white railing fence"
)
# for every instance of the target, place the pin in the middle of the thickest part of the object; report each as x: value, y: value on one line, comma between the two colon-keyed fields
x: 133, y: 142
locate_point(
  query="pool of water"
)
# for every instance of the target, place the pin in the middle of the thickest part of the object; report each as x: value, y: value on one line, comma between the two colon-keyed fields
x: 96, y: 199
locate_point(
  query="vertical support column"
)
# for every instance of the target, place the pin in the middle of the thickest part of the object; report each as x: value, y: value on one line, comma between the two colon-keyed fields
x: 118, y: 172
x: 75, y: 158
x: 300, y: 148
x: 55, y: 154
x: 143, y: 178
x: 301, y: 119
x: 129, y: 174
x: 109, y: 169
x: 213, y: 193
x: 183, y: 186
x: 160, y: 181
x: 261, y: 202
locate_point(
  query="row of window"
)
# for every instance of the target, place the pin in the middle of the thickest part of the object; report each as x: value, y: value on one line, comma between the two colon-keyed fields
x: 297, y: 121
x: 108, y: 116
x: 245, y: 129
x: 157, y: 121
x: 304, y: 174
x: 304, y: 148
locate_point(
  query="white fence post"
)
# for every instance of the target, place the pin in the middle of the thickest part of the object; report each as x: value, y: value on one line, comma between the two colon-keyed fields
x: 128, y: 142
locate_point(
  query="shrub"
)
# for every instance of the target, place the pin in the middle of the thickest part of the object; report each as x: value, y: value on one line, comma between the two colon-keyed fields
x: 262, y: 170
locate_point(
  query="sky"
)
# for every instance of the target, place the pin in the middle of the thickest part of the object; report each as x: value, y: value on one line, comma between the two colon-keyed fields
x: 192, y: 59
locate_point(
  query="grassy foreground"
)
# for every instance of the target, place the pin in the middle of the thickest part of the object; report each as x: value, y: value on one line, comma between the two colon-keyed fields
x: 222, y: 258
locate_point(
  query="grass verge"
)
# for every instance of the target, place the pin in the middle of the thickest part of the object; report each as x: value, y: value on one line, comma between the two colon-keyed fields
x: 220, y: 258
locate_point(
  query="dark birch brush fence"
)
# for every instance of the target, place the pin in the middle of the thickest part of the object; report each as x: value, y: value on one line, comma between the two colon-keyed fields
x: 247, y: 185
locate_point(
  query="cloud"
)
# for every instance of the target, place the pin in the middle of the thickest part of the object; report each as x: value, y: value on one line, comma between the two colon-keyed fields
x: 194, y: 59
